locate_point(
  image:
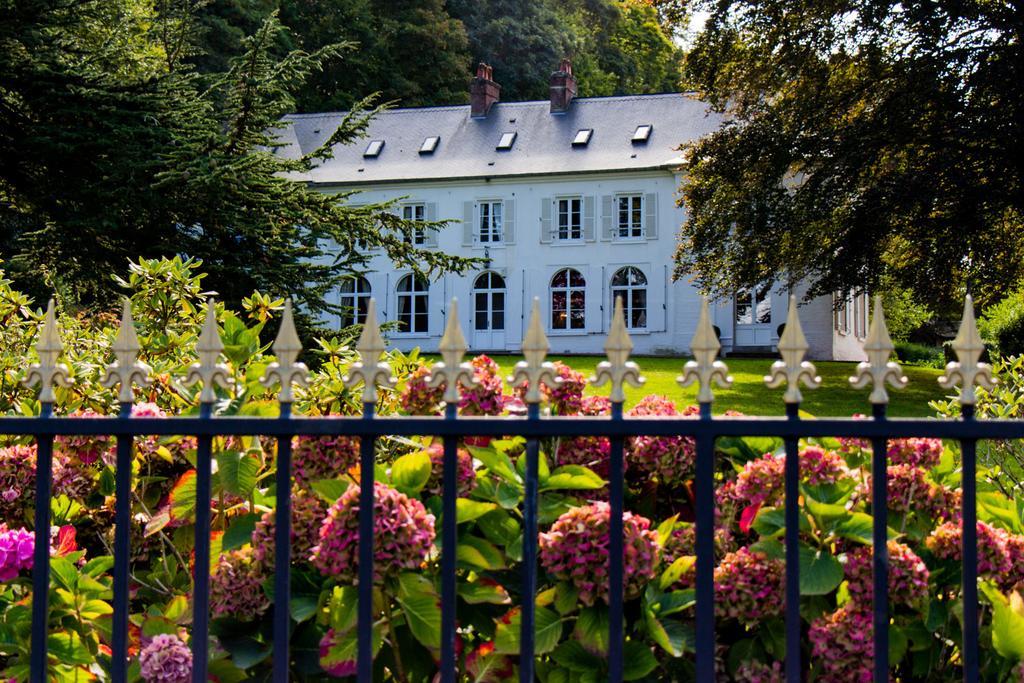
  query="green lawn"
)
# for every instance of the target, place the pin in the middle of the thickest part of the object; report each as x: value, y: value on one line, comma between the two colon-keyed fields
x: 749, y: 394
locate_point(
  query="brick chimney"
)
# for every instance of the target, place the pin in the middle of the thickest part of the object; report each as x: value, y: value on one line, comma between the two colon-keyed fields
x: 483, y: 92
x: 563, y: 88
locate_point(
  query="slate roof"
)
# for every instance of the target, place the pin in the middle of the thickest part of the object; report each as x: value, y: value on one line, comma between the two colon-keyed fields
x: 543, y: 142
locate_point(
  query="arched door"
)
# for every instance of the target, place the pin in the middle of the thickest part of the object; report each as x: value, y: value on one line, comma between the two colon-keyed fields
x: 489, y: 298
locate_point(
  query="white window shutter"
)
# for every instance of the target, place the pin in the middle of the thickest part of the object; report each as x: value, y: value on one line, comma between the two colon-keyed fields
x: 468, y: 223
x: 545, y: 220
x: 588, y: 218
x: 607, y: 217
x: 430, y: 214
x: 651, y: 216
x: 508, y: 227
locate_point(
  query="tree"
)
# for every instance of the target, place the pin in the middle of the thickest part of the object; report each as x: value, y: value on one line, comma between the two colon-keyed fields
x: 864, y: 140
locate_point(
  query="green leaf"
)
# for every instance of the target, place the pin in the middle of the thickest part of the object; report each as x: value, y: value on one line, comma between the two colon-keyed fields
x: 238, y: 472
x: 592, y: 629
x: 477, y: 553
x: 638, y: 660
x: 676, y: 570
x: 183, y: 497
x: 410, y: 473
x: 423, y: 614
x: 820, y: 572
x: 547, y: 632
x: 770, y: 547
x: 484, y: 591
x: 496, y: 461
x: 68, y: 648
x: 240, y: 532
x: 573, y: 477
x: 468, y: 510
x: 63, y: 573
x: 330, y: 489
x: 573, y: 656
x: 1007, y: 623
x: 566, y: 597
x: 177, y: 609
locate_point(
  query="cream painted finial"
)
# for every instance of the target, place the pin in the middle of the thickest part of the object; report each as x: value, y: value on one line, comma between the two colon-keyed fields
x: 451, y: 371
x: 126, y: 368
x: 48, y: 373
x: 967, y: 370
x: 208, y: 370
x: 878, y: 369
x: 534, y: 370
x: 618, y: 369
x: 369, y: 369
x: 793, y: 369
x: 704, y: 369
x: 287, y: 370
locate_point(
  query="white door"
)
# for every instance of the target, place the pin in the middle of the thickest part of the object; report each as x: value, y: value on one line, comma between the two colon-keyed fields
x: 754, y: 317
x: 489, y: 299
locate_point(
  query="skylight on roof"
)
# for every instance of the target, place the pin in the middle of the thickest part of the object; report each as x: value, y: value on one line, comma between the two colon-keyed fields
x: 373, y: 149
x: 430, y: 144
x: 642, y: 132
x: 582, y: 137
x: 506, y: 141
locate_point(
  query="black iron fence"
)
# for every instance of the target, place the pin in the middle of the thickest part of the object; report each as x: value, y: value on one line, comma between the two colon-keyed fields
x: 369, y: 428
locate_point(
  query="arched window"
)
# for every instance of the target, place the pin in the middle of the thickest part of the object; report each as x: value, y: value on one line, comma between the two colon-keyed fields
x: 412, y: 304
x: 355, y: 299
x: 489, y: 302
x: 630, y: 284
x: 568, y: 300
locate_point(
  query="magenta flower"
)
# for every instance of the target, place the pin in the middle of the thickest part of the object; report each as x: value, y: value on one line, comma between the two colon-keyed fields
x: 16, y: 547
x: 924, y: 453
x: 670, y: 458
x: 762, y: 480
x: 403, y: 535
x: 308, y: 512
x: 749, y: 586
x: 17, y: 480
x: 236, y: 586
x: 334, y: 665
x: 841, y: 643
x: 485, y: 397
x: 849, y: 445
x: 576, y: 550
x: 166, y: 659
x: 465, y: 475
x: 946, y: 542
x: 819, y: 466
x: 567, y: 397
x: 323, y: 457
x: 418, y: 398
x: 754, y: 671
x: 588, y: 451
x: 908, y: 576
x: 86, y: 449
x: 909, y: 488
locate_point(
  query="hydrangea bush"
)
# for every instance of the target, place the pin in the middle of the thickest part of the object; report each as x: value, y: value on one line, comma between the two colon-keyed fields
x: 571, y: 601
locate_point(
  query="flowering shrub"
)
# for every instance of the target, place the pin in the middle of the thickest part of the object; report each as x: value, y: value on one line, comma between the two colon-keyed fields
x: 323, y: 457
x: 842, y: 646
x: 670, y: 458
x: 16, y: 547
x: 166, y: 660
x: 236, y: 586
x: 418, y: 398
x: 465, y: 475
x: 749, y: 586
x: 308, y: 512
x: 908, y: 576
x: 486, y: 396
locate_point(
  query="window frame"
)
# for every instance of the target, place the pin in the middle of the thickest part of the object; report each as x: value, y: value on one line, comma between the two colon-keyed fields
x: 570, y: 229
x: 568, y: 326
x: 413, y: 294
x: 357, y: 314
x: 478, y: 230
x: 628, y: 304
x: 641, y: 228
x: 753, y: 296
x: 419, y: 235
x: 489, y: 291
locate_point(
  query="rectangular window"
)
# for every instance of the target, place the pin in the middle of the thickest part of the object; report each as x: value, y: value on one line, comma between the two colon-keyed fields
x: 630, y: 216
x: 489, y: 225
x: 570, y: 223
x: 415, y: 212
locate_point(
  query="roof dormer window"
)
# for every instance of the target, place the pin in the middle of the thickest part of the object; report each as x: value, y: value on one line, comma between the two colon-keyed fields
x: 582, y: 137
x: 642, y: 133
x: 373, y: 149
x: 506, y: 141
x: 430, y: 144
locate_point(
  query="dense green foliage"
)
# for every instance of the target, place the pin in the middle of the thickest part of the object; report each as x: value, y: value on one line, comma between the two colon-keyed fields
x: 1002, y: 325
x: 866, y: 139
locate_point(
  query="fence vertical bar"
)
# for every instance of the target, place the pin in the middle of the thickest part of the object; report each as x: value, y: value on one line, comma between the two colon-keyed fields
x: 201, y: 593
x: 529, y: 587
x: 366, y: 502
x: 41, y: 553
x: 122, y: 534
x: 794, y: 667
x: 705, y: 547
x: 968, y: 450
x: 615, y: 550
x: 880, y: 549
x: 283, y: 552
x: 448, y: 543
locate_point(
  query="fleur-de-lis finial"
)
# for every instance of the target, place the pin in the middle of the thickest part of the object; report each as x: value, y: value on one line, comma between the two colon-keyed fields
x: 618, y: 369
x: 704, y: 369
x: 534, y: 370
x: 48, y: 372
x: 793, y: 369
x: 369, y: 369
x: 451, y: 371
x: 287, y: 370
x: 126, y: 368
x: 878, y: 369
x: 208, y: 370
x: 967, y: 369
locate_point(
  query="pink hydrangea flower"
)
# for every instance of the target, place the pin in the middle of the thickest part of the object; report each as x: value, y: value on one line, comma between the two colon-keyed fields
x: 166, y: 659
x: 924, y: 453
x: 418, y: 398
x: 762, y: 480
x: 485, y: 397
x: 17, y: 480
x: 308, y: 512
x: 567, y: 397
x: 758, y: 672
x: 322, y: 457
x: 1015, y: 556
x: 16, y: 546
x: 749, y: 586
x: 819, y: 466
x: 588, y: 451
x: 86, y: 449
x: 236, y: 586
x: 403, y: 535
x: 908, y: 576
x: 670, y: 458
x: 841, y: 644
x: 993, y: 558
x: 465, y: 475
x: 909, y: 488
x: 576, y: 550
x: 850, y: 445
x: 333, y: 665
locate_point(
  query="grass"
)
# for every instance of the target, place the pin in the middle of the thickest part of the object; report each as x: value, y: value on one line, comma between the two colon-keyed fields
x: 750, y: 395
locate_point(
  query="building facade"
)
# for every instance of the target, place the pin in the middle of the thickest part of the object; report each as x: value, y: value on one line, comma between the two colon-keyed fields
x: 573, y: 201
